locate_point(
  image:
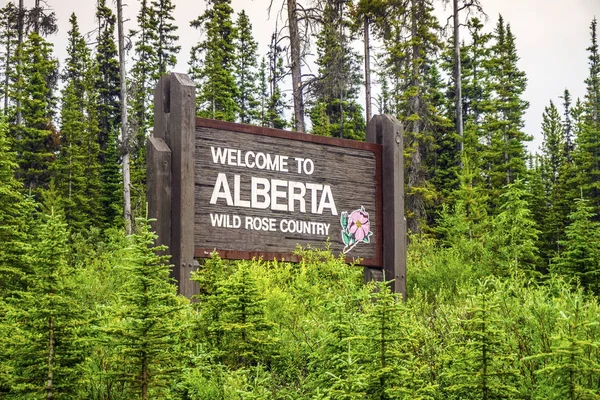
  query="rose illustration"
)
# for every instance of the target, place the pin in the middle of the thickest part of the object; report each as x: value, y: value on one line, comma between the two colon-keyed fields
x: 356, y: 228
x: 359, y: 225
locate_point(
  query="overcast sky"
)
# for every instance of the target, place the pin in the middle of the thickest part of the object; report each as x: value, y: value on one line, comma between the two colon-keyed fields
x: 552, y: 37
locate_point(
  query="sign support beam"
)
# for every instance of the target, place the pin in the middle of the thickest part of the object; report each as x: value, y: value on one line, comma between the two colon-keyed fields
x: 171, y: 196
x: 388, y: 132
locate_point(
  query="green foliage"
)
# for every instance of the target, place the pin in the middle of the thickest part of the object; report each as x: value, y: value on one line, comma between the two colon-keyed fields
x: 109, y: 114
x: 145, y: 331
x: 212, y: 62
x: 336, y: 111
x: 481, y: 366
x: 77, y: 167
x: 47, y: 323
x: 515, y: 232
x: 37, y: 139
x: 580, y: 255
x: 15, y: 220
x: 245, y: 71
x: 505, y: 150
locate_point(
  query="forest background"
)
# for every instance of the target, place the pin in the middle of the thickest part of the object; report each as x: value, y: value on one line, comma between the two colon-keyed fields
x: 504, y: 253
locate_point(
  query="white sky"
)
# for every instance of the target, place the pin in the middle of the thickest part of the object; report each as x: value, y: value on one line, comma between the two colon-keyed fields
x: 552, y: 37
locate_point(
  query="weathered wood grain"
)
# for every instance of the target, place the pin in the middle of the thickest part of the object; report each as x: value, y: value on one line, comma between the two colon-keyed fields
x: 351, y: 173
x: 387, y: 131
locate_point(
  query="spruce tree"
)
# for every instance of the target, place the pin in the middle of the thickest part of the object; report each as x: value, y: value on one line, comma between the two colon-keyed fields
x: 145, y: 333
x: 505, y: 151
x: 246, y: 330
x: 37, y: 136
x: 246, y: 71
x: 76, y: 171
x: 411, y: 45
x: 570, y: 369
x: 335, y: 110
x: 481, y: 367
x: 8, y: 42
x: 587, y: 154
x: 263, y: 94
x: 108, y: 112
x: 476, y: 90
x: 515, y: 232
x: 212, y: 62
x: 49, y: 324
x: 552, y: 161
x: 580, y: 253
x: 15, y: 224
x: 276, y: 102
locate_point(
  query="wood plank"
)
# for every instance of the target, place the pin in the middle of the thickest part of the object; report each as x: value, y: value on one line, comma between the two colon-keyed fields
x: 351, y: 172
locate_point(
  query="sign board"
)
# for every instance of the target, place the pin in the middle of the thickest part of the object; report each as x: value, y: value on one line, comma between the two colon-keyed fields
x: 248, y: 191
x: 264, y: 192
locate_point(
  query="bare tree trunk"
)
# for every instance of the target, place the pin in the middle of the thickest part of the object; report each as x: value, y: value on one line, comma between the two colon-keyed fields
x: 20, y: 28
x: 124, y: 127
x: 458, y: 79
x: 295, y: 66
x: 367, y: 70
x: 49, y: 383
x: 414, y: 199
x: 7, y: 68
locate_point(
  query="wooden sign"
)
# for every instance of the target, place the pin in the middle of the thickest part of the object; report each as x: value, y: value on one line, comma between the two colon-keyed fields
x: 263, y: 192
x: 247, y: 191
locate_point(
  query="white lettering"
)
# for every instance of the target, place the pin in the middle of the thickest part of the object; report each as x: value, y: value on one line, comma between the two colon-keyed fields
x: 225, y: 193
x: 218, y: 155
x: 313, y: 187
x: 278, y: 194
x: 296, y: 196
x: 236, y: 193
x: 255, y: 192
x: 327, y: 201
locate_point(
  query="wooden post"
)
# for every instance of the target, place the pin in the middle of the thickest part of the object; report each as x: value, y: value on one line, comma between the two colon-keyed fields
x: 175, y: 125
x: 388, y: 132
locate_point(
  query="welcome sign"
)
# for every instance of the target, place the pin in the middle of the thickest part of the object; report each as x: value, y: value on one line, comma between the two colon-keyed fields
x: 249, y: 191
x: 264, y: 192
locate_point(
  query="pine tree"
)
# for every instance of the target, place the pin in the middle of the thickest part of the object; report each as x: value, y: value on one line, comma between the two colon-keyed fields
x: 411, y: 47
x: 476, y: 90
x: 336, y: 111
x: 245, y: 328
x: 48, y: 340
x: 263, y: 94
x: 166, y: 39
x: 34, y: 92
x: 587, y: 154
x: 570, y: 370
x: 276, y: 102
x: 552, y: 161
x: 212, y: 62
x: 77, y: 168
x: 15, y: 212
x: 245, y: 71
x: 155, y: 53
x: 505, y: 152
x: 481, y: 367
x: 8, y: 42
x: 515, y: 232
x: 580, y: 253
x: 108, y: 111
x: 146, y: 333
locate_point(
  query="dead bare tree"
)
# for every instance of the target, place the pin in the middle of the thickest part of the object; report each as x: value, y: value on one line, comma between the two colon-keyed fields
x: 124, y: 127
x: 457, y: 7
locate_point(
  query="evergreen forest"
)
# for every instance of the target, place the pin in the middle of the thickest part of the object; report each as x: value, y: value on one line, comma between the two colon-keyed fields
x: 504, y: 242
